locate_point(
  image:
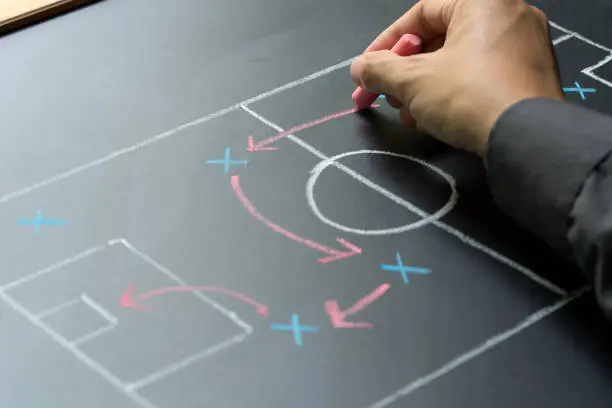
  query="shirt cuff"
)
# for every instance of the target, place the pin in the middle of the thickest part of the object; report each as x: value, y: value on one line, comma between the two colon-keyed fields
x: 539, y: 155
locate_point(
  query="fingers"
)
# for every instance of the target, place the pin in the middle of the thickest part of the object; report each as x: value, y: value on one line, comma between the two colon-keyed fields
x: 406, y: 117
x: 378, y: 72
x: 393, y: 101
x: 384, y: 72
x: 435, y: 44
x: 406, y: 24
x: 427, y: 19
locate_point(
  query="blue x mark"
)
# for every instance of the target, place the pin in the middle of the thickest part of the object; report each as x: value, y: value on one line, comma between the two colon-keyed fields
x: 227, y: 162
x: 580, y: 90
x: 295, y: 328
x: 404, y: 270
x: 39, y: 220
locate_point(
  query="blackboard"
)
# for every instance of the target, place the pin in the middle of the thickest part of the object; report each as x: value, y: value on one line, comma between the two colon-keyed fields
x: 194, y: 217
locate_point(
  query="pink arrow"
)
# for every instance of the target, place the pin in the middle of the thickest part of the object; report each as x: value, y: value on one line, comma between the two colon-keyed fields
x: 263, y: 144
x: 127, y: 300
x: 338, y: 316
x: 334, y: 255
x: 254, y: 148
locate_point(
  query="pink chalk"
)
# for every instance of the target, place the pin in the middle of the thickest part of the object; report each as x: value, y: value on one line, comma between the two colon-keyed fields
x: 338, y: 316
x: 127, y: 300
x: 263, y: 145
x: 333, y: 254
x: 408, y: 45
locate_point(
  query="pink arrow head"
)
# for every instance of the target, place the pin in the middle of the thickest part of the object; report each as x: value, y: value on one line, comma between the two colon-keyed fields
x: 337, y: 317
x: 127, y: 300
x: 262, y: 310
x: 352, y: 250
x: 253, y: 147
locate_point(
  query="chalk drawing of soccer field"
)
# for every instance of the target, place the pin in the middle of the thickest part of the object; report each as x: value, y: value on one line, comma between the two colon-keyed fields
x: 74, y: 301
x: 565, y: 35
x: 73, y: 290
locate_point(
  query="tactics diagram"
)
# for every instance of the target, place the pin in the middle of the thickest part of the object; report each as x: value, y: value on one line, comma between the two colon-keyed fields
x: 218, y: 256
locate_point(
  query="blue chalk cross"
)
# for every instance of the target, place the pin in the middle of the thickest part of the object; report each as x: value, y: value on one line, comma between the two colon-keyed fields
x: 404, y: 270
x: 227, y: 162
x: 296, y: 328
x: 39, y: 220
x: 580, y: 90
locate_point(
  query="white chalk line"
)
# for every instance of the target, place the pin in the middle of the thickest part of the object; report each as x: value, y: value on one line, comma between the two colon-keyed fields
x: 72, y: 346
x: 92, y: 335
x: 293, y: 84
x: 224, y: 311
x: 426, y: 217
x: 293, y: 138
x: 98, y: 308
x: 560, y: 28
x: 479, y: 350
x: 175, y: 367
x: 75, y: 170
x: 172, y: 132
x: 599, y: 64
x: 588, y: 71
x: 58, y: 308
x: 61, y: 264
x: 327, y: 161
x: 565, y: 37
x: 80, y: 355
x: 580, y: 36
x: 169, y: 133
x: 393, y: 197
x: 158, y: 375
x: 591, y: 42
x: 598, y: 78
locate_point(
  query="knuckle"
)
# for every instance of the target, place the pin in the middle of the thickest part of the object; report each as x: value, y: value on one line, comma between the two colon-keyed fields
x: 368, y: 70
x: 539, y: 14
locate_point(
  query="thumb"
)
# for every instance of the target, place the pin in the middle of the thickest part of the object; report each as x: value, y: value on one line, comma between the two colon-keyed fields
x: 385, y: 72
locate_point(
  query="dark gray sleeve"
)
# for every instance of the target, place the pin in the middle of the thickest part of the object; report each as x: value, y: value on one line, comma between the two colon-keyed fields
x: 550, y: 168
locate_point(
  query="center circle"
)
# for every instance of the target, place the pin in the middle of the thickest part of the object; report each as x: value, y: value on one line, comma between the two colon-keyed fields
x: 427, y: 218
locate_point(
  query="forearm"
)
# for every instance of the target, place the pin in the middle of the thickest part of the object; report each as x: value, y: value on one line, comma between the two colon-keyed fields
x: 550, y: 168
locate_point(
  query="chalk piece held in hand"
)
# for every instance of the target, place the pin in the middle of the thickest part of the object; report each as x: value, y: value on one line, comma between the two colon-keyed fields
x: 408, y: 45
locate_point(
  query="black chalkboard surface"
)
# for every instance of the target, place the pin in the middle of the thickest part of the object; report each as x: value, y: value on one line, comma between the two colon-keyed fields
x: 194, y: 216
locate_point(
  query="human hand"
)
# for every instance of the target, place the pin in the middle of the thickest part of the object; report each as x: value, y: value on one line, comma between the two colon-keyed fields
x: 480, y: 57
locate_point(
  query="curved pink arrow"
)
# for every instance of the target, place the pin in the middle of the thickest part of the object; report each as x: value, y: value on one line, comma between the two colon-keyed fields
x: 334, y: 255
x: 128, y: 301
x: 263, y: 144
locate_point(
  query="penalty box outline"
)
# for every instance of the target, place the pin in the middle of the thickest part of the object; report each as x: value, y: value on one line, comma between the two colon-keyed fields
x: 452, y: 365
x: 129, y: 389
x: 92, y: 304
